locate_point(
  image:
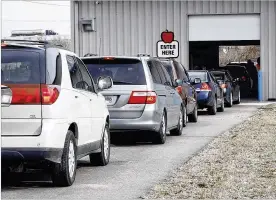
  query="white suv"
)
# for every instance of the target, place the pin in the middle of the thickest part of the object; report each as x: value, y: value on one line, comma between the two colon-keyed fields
x: 52, y: 113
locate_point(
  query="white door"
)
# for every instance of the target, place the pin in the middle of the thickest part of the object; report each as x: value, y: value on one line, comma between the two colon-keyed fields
x: 82, y: 104
x: 96, y: 105
x: 224, y: 27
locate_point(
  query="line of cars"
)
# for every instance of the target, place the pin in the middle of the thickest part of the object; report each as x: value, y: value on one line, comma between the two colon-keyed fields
x: 57, y: 107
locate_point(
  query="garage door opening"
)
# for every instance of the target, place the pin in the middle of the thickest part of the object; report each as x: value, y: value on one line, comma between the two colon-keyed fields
x: 216, y: 41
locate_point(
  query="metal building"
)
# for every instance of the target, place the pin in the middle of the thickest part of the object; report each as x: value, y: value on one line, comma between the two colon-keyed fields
x: 132, y: 27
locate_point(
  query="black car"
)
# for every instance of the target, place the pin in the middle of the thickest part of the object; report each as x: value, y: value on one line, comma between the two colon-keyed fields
x: 184, y: 87
x: 241, y: 75
x: 230, y: 86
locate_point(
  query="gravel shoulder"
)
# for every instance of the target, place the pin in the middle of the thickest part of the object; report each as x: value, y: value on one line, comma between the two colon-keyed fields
x: 241, y: 163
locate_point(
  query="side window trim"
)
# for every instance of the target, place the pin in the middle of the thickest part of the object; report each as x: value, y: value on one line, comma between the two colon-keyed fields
x: 79, y: 63
x: 70, y: 67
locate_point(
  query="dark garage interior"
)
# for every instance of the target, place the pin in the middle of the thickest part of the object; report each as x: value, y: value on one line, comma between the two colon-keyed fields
x: 207, y: 54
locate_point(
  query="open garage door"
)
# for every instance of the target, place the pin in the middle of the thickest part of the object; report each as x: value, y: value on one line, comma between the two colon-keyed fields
x: 224, y: 27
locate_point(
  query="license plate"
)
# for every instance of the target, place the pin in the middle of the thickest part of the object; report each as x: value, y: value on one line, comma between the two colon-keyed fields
x: 110, y: 100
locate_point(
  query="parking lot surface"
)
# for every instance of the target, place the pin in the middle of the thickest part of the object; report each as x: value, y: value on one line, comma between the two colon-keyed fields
x: 133, y: 169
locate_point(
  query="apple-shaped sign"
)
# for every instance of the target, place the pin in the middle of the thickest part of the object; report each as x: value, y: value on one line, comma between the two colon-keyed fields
x: 167, y: 36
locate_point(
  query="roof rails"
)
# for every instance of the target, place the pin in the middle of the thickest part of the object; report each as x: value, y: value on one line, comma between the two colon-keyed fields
x: 35, y: 42
x: 30, y: 42
x: 143, y: 55
x: 90, y: 54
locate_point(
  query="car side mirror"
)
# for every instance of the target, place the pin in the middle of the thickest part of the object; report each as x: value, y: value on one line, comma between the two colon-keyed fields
x: 104, y: 82
x: 197, y: 81
x: 178, y: 82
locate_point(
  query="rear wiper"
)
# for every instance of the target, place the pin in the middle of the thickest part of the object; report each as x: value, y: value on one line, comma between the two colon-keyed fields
x: 123, y: 82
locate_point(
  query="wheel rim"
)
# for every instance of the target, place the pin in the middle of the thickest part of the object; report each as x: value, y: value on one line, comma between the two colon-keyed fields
x: 215, y: 104
x: 71, y: 159
x: 106, y: 144
x: 181, y: 120
x: 231, y: 99
x: 163, y: 126
x: 239, y: 96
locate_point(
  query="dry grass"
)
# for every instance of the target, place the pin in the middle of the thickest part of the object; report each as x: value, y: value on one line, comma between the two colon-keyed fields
x: 239, y: 164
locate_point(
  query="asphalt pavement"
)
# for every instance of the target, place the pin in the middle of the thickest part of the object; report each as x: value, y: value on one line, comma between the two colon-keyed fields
x: 134, y: 169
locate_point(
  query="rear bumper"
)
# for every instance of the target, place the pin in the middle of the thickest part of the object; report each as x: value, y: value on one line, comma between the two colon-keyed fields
x: 204, y: 99
x: 150, y: 121
x: 30, y: 155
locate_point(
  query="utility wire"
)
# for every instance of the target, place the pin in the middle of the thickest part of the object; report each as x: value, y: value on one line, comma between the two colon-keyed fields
x: 52, y: 4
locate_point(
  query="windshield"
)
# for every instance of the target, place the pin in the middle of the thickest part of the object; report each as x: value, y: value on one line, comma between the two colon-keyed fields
x: 220, y: 76
x: 237, y: 71
x: 202, y: 75
x: 122, y: 71
x: 19, y: 67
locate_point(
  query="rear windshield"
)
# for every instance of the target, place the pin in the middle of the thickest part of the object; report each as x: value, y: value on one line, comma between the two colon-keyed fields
x: 202, y: 75
x: 122, y: 71
x: 236, y: 72
x: 169, y: 69
x: 19, y: 67
x: 219, y: 75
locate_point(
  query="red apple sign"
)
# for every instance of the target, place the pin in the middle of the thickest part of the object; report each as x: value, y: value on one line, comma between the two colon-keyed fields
x: 167, y: 36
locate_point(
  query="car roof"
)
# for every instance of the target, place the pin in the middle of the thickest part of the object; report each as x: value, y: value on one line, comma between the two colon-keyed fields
x: 198, y: 71
x: 126, y: 57
x: 218, y: 72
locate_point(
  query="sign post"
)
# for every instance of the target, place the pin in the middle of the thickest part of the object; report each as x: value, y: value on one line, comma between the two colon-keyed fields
x: 167, y: 47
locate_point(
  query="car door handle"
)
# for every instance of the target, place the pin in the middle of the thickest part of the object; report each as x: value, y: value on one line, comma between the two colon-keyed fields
x: 172, y: 92
x: 76, y: 97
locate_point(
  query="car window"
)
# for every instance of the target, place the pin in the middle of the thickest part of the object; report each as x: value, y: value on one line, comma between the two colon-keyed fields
x: 74, y: 71
x: 213, y: 78
x: 169, y: 68
x: 167, y: 76
x: 20, y: 67
x: 122, y: 70
x: 198, y: 74
x: 154, y: 73
x: 89, y: 86
x: 161, y: 73
x: 185, y: 74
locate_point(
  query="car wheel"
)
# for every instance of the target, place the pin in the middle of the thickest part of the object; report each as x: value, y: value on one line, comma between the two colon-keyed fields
x: 239, y: 98
x: 221, y: 108
x: 193, y: 116
x: 161, y: 135
x: 64, y: 173
x: 182, y: 115
x: 230, y: 103
x: 213, y: 109
x: 102, y: 158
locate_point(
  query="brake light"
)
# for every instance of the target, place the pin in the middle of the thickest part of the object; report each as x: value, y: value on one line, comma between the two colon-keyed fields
x: 142, y: 97
x: 244, y: 78
x: 108, y: 58
x: 33, y: 94
x: 49, y: 94
x: 3, y: 45
x: 205, y: 87
x: 179, y: 89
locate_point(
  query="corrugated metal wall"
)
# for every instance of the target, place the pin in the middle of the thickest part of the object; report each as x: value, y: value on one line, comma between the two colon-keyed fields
x: 131, y: 27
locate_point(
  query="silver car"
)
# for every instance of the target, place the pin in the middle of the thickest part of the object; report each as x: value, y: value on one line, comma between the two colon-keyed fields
x: 142, y: 97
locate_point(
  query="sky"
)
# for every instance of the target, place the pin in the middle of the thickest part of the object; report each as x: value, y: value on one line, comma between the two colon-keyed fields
x: 28, y: 15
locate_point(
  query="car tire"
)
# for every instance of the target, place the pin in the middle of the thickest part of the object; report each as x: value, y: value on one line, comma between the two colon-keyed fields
x: 64, y: 173
x: 161, y: 135
x: 102, y: 158
x: 221, y: 108
x: 194, y: 115
x: 239, y: 99
x: 230, y: 103
x: 180, y: 125
x: 213, y: 109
